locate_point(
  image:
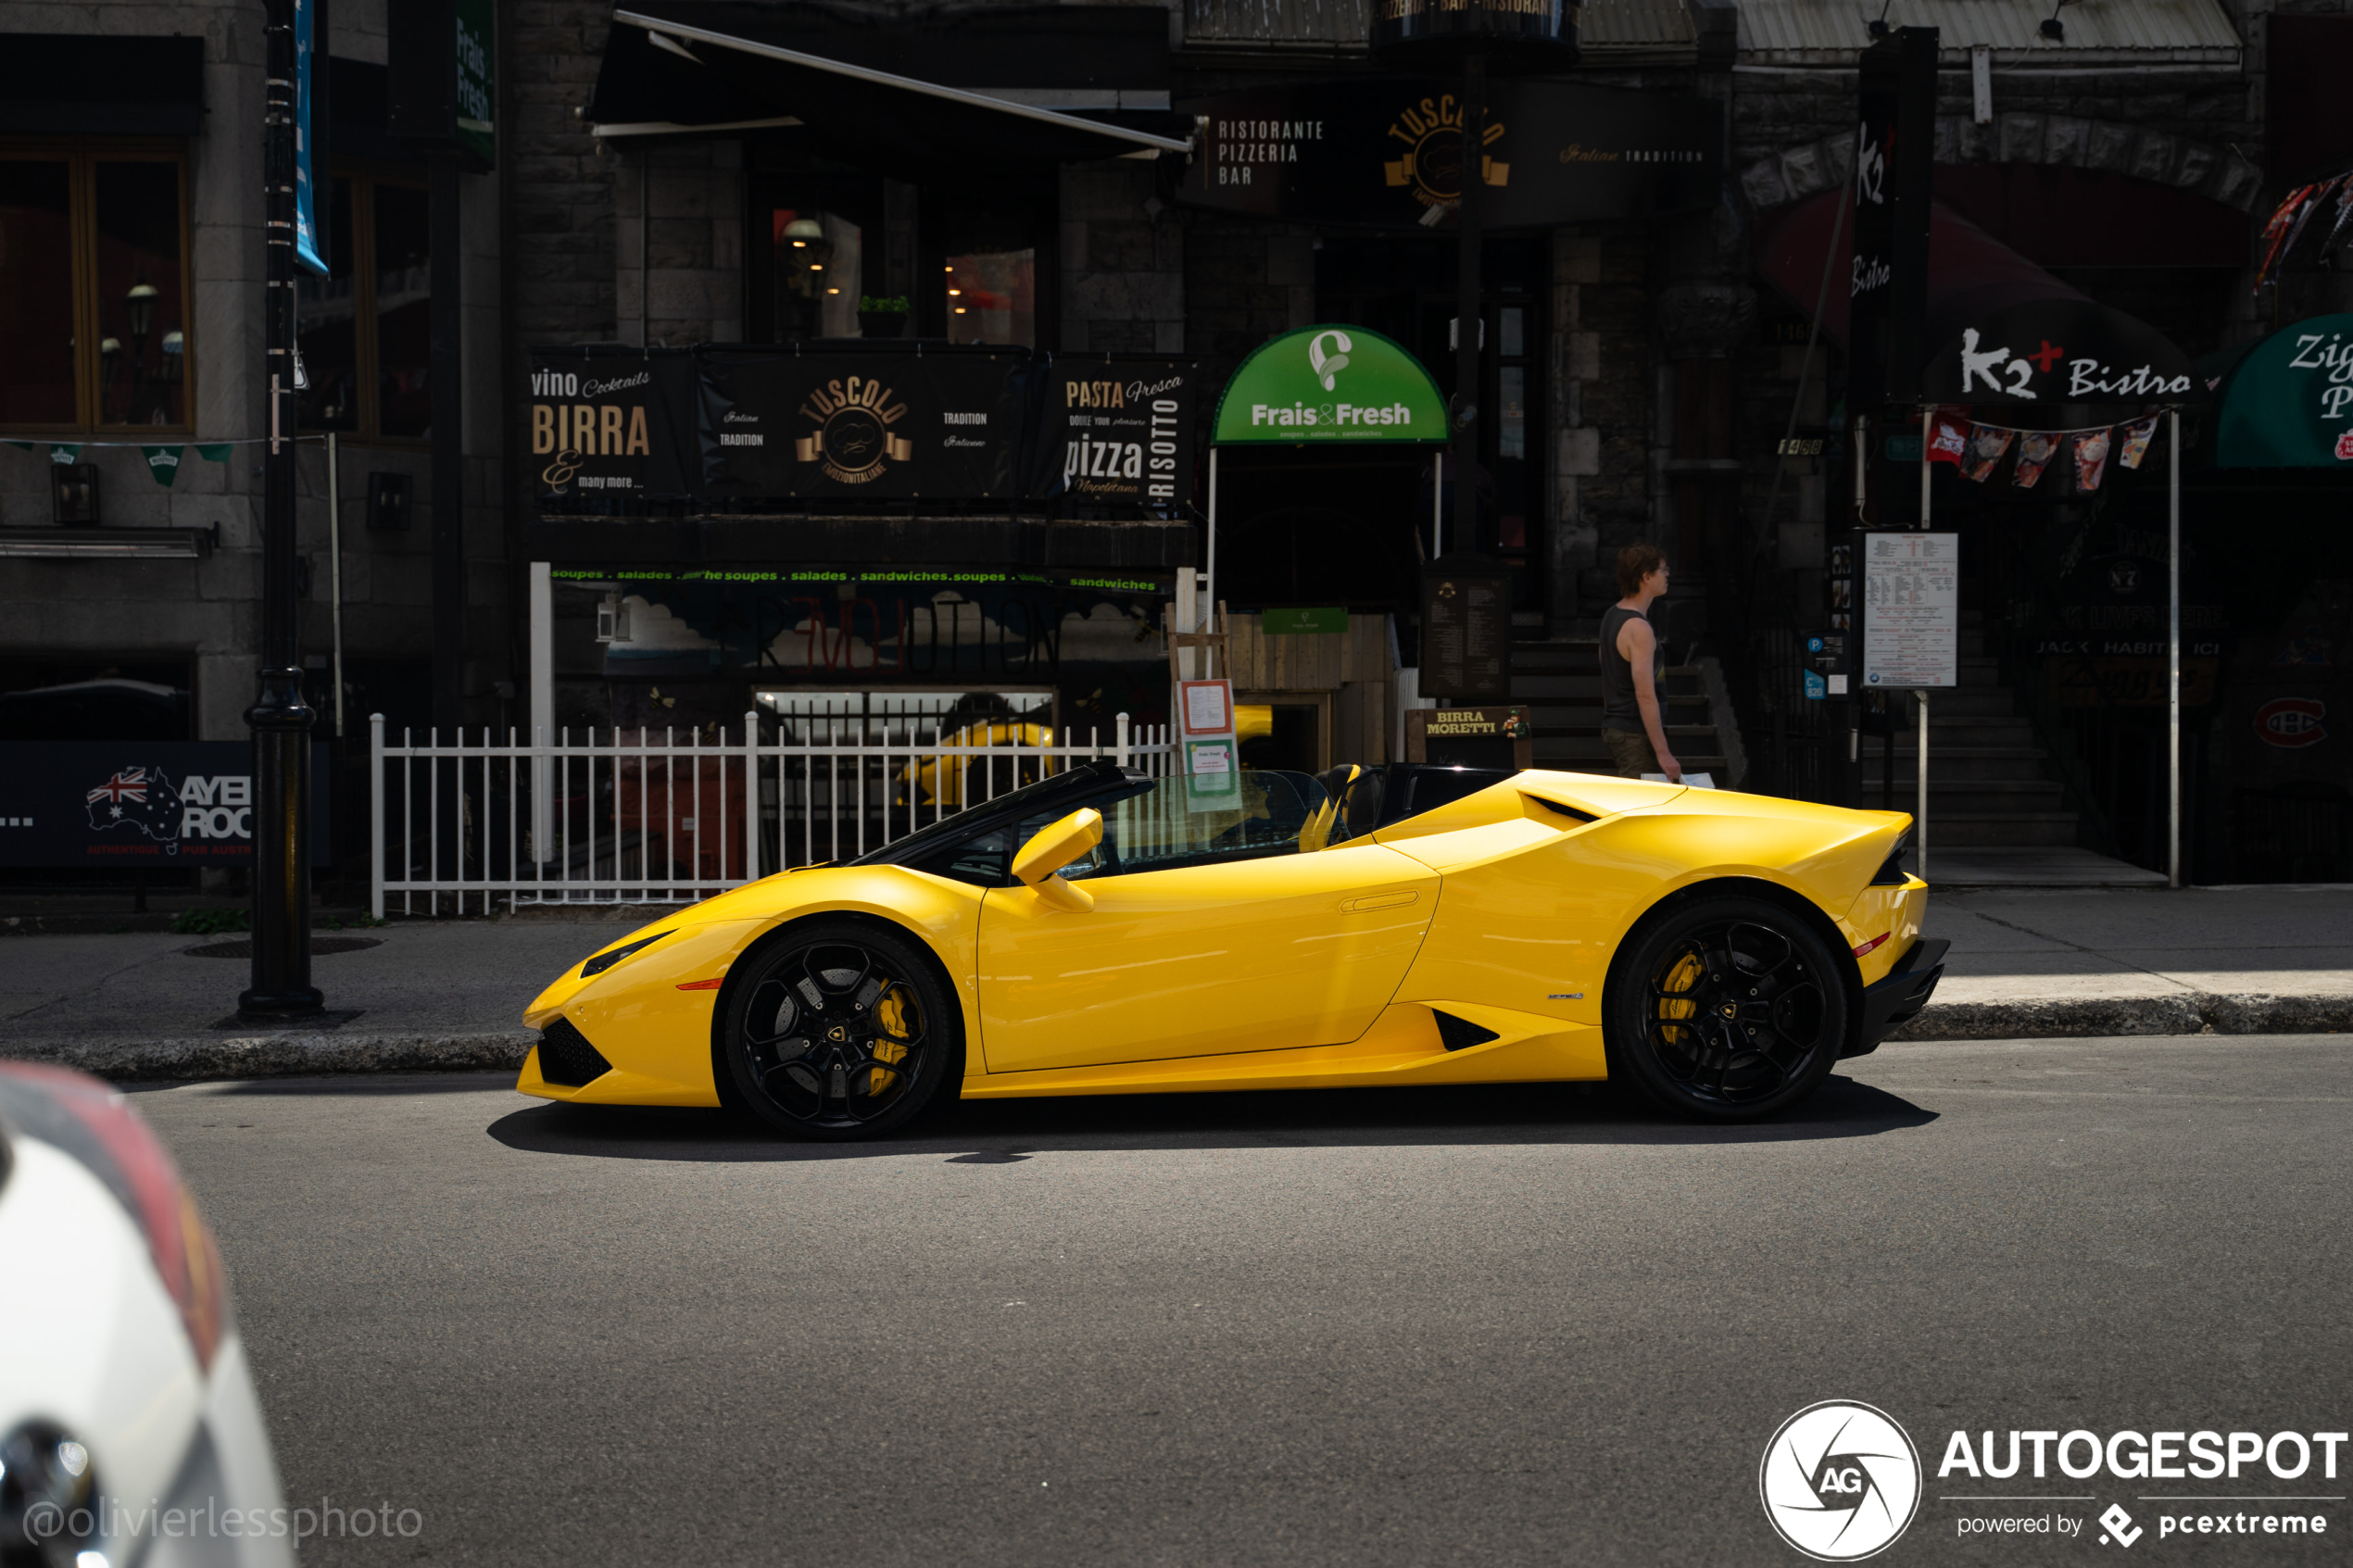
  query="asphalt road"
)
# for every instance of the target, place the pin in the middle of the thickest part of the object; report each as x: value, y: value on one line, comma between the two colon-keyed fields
x: 1525, y: 1325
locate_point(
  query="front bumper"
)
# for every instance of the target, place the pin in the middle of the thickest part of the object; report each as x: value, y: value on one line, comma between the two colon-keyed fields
x: 1895, y: 999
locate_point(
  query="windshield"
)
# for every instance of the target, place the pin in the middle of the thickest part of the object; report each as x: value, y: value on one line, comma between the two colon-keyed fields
x: 1067, y: 790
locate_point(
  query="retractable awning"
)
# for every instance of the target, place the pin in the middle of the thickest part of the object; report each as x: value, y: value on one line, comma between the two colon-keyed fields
x: 898, y: 90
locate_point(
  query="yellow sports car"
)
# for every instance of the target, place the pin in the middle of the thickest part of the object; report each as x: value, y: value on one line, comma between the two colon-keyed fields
x: 1103, y: 932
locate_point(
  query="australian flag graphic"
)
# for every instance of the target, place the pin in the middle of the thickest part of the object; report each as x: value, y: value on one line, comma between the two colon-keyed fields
x: 141, y: 799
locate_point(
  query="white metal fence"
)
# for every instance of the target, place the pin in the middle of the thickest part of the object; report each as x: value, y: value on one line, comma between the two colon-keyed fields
x: 646, y: 817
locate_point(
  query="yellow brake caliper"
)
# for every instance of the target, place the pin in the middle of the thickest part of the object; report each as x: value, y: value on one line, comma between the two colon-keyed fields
x: 1681, y: 978
x: 891, y: 1014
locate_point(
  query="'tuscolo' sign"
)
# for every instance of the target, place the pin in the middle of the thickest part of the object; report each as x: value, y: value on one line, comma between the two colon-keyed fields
x: 1388, y: 152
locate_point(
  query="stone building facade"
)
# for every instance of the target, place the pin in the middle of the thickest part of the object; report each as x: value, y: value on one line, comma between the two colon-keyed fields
x: 189, y: 615
x: 1666, y: 371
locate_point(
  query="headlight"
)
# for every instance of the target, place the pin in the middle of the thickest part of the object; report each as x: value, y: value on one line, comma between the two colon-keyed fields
x: 48, y: 1498
x: 612, y: 956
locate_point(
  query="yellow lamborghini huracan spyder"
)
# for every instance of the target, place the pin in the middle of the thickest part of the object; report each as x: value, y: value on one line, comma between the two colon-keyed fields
x: 1098, y: 933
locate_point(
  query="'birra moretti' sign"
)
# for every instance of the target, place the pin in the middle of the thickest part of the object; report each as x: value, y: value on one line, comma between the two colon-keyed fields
x: 1331, y: 384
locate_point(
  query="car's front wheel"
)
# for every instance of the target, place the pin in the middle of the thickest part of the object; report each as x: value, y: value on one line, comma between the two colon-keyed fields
x: 1728, y: 1009
x: 839, y: 1031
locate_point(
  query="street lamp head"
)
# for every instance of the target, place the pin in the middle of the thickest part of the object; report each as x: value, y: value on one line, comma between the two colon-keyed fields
x: 143, y: 306
x: 174, y: 344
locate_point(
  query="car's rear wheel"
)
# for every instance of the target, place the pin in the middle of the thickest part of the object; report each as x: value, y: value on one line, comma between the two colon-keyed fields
x: 839, y: 1031
x: 1726, y: 1009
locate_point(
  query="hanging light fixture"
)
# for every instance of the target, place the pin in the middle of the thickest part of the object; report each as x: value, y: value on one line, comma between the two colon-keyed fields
x: 141, y: 305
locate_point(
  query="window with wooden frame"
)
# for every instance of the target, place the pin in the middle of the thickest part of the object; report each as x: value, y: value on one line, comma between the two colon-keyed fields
x: 365, y: 330
x: 95, y: 285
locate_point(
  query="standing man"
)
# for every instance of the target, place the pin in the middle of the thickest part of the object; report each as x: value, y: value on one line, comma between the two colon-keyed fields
x: 1632, y: 722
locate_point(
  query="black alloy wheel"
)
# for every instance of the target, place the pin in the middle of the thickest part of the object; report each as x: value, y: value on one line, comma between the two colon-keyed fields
x: 1728, y: 1010
x: 840, y: 1030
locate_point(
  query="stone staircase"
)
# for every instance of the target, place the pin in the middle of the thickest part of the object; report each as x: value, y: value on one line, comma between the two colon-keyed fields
x: 1989, y: 783
x: 1561, y: 683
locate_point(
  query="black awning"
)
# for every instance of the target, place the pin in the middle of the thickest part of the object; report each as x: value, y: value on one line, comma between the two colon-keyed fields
x: 80, y: 83
x: 2001, y: 331
x: 906, y: 92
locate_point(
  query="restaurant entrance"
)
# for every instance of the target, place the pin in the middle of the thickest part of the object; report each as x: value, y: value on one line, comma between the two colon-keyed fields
x: 1405, y: 287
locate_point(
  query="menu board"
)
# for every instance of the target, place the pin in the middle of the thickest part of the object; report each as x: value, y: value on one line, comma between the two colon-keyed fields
x: 1467, y: 628
x: 1911, y: 609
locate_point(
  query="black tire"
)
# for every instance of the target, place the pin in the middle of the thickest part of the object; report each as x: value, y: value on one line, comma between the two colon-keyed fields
x: 1726, y: 1009
x: 839, y: 1030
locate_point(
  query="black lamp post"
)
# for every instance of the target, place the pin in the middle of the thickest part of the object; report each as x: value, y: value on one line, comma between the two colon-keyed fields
x: 280, y: 720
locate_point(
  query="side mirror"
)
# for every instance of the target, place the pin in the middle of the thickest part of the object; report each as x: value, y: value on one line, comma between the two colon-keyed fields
x: 1053, y: 846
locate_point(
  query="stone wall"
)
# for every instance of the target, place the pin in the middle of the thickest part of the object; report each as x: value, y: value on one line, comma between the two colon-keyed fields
x: 1123, y: 261
x: 678, y: 275
x: 1245, y: 282
x: 559, y: 213
x: 1604, y: 411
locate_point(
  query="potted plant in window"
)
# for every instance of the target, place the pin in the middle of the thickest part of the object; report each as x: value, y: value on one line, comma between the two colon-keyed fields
x: 882, y: 315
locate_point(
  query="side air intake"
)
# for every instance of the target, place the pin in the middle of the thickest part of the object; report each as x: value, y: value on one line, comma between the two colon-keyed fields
x: 1460, y: 1034
x: 566, y: 1057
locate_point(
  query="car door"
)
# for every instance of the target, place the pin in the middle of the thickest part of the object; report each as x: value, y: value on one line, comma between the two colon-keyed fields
x: 1208, y: 935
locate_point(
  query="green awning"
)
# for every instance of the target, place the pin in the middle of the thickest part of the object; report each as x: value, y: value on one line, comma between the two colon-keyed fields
x: 1331, y: 384
x: 2286, y: 400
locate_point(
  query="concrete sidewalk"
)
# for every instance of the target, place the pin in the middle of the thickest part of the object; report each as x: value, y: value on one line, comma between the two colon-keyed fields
x: 448, y: 994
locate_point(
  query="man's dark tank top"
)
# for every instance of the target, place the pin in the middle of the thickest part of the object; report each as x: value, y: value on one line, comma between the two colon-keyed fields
x: 1619, y: 711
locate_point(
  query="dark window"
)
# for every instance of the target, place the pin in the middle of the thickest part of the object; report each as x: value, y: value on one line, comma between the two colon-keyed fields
x: 36, y: 292
x: 94, y: 288
x: 403, y: 310
x: 48, y: 699
x: 366, y: 329
x: 143, y: 310
x: 327, y: 310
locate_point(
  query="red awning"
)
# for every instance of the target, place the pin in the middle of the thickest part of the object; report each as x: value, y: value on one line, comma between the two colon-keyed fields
x: 1970, y: 273
x: 2001, y: 331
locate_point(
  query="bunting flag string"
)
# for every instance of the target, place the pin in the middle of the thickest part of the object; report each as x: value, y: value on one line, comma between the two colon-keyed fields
x: 163, y: 461
x: 1976, y: 449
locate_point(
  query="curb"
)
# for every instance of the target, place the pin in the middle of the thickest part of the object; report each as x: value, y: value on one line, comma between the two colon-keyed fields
x: 293, y: 1055
x: 82, y: 923
x: 2189, y: 1012
x: 279, y: 1056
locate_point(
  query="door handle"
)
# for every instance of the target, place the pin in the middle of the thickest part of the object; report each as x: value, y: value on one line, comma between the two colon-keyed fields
x: 1377, y: 901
